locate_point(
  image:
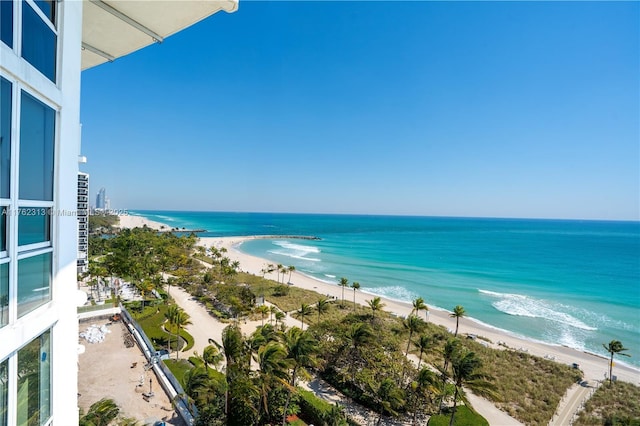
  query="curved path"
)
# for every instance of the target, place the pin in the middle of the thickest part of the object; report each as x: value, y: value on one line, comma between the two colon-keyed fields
x: 572, y: 402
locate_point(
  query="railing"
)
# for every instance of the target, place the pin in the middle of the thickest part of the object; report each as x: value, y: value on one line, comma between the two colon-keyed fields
x: 166, y: 378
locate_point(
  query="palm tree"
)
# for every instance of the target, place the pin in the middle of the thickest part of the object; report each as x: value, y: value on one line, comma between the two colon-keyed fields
x: 465, y: 366
x: 335, y: 416
x: 458, y: 312
x: 273, y: 367
x: 322, y: 306
x: 145, y: 287
x: 179, y: 320
x: 388, y: 398
x: 279, y: 316
x: 343, y: 283
x: 451, y: 348
x: 170, y: 314
x: 280, y: 268
x: 424, y: 385
x: 355, y: 286
x: 272, y: 310
x: 101, y: 413
x: 419, y: 305
x: 211, y: 356
x: 291, y: 268
x: 614, y: 347
x: 423, y: 344
x: 263, y: 310
x: 301, y: 348
x: 413, y: 323
x: 304, y: 311
x: 376, y: 305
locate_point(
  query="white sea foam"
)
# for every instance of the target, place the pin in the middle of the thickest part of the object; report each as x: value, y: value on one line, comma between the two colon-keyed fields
x: 329, y: 276
x: 394, y: 292
x: 295, y: 251
x: 525, y: 306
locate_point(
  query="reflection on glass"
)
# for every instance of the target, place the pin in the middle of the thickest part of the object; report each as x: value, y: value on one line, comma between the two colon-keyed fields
x: 5, y: 134
x: 6, y: 25
x: 33, y: 225
x: 49, y: 8
x: 4, y: 392
x: 34, y: 387
x: 38, y: 43
x: 36, y: 149
x: 34, y: 282
x: 4, y: 296
x: 3, y: 228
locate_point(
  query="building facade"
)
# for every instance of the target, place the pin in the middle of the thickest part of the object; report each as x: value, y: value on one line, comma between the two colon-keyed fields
x: 40, y: 109
x: 101, y: 199
x: 44, y: 45
x: 83, y: 222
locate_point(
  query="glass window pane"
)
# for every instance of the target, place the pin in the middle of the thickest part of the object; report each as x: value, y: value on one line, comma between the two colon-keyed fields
x: 48, y: 7
x: 34, y: 382
x: 3, y: 228
x: 34, y: 283
x: 4, y: 392
x: 33, y: 225
x: 5, y: 135
x: 38, y: 43
x: 6, y: 25
x: 4, y: 298
x: 36, y: 149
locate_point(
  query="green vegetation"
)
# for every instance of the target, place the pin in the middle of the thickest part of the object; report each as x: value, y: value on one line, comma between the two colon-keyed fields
x: 360, y: 350
x: 612, y: 405
x: 153, y: 320
x: 464, y: 417
x: 614, y: 347
x: 178, y: 368
x: 104, y: 413
x: 102, y: 223
x: 318, y: 411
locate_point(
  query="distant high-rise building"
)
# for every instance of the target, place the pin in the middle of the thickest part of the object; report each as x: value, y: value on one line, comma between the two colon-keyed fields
x: 107, y: 204
x: 83, y: 222
x: 100, y: 199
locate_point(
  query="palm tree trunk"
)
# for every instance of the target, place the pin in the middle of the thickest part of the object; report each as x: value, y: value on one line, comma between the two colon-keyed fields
x: 453, y: 412
x: 420, y: 359
x: 286, y: 405
x: 409, y: 343
x: 457, y: 323
x: 177, y: 342
x: 611, y: 370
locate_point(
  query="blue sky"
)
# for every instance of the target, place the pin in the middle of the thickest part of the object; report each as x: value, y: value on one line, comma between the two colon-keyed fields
x: 500, y: 109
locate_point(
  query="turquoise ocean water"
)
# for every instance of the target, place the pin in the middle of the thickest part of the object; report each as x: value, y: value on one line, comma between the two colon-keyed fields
x: 572, y: 283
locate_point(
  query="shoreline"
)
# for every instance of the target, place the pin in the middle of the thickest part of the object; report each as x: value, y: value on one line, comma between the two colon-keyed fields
x: 593, y: 365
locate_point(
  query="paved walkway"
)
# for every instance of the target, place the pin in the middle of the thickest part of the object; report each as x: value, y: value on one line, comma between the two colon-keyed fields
x: 572, y: 402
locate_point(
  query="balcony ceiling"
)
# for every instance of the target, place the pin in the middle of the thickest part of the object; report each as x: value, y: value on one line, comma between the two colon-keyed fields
x: 115, y: 28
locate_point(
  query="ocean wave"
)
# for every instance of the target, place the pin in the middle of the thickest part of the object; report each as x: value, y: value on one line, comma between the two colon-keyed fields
x: 329, y: 276
x: 295, y: 251
x: 525, y: 306
x: 394, y: 292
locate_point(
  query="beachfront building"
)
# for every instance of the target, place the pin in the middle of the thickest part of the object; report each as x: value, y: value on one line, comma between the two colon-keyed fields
x: 100, y: 199
x: 83, y: 222
x: 44, y: 45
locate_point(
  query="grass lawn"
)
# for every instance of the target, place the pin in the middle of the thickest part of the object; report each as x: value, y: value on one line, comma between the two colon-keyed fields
x: 178, y: 368
x: 464, y: 417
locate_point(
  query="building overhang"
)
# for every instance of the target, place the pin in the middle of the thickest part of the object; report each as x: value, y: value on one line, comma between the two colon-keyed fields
x: 114, y: 28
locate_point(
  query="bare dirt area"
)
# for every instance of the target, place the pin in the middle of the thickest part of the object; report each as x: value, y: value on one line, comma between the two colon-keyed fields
x: 115, y: 369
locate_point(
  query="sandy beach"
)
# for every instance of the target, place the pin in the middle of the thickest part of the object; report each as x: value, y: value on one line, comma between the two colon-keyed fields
x: 593, y: 366
x: 128, y: 221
